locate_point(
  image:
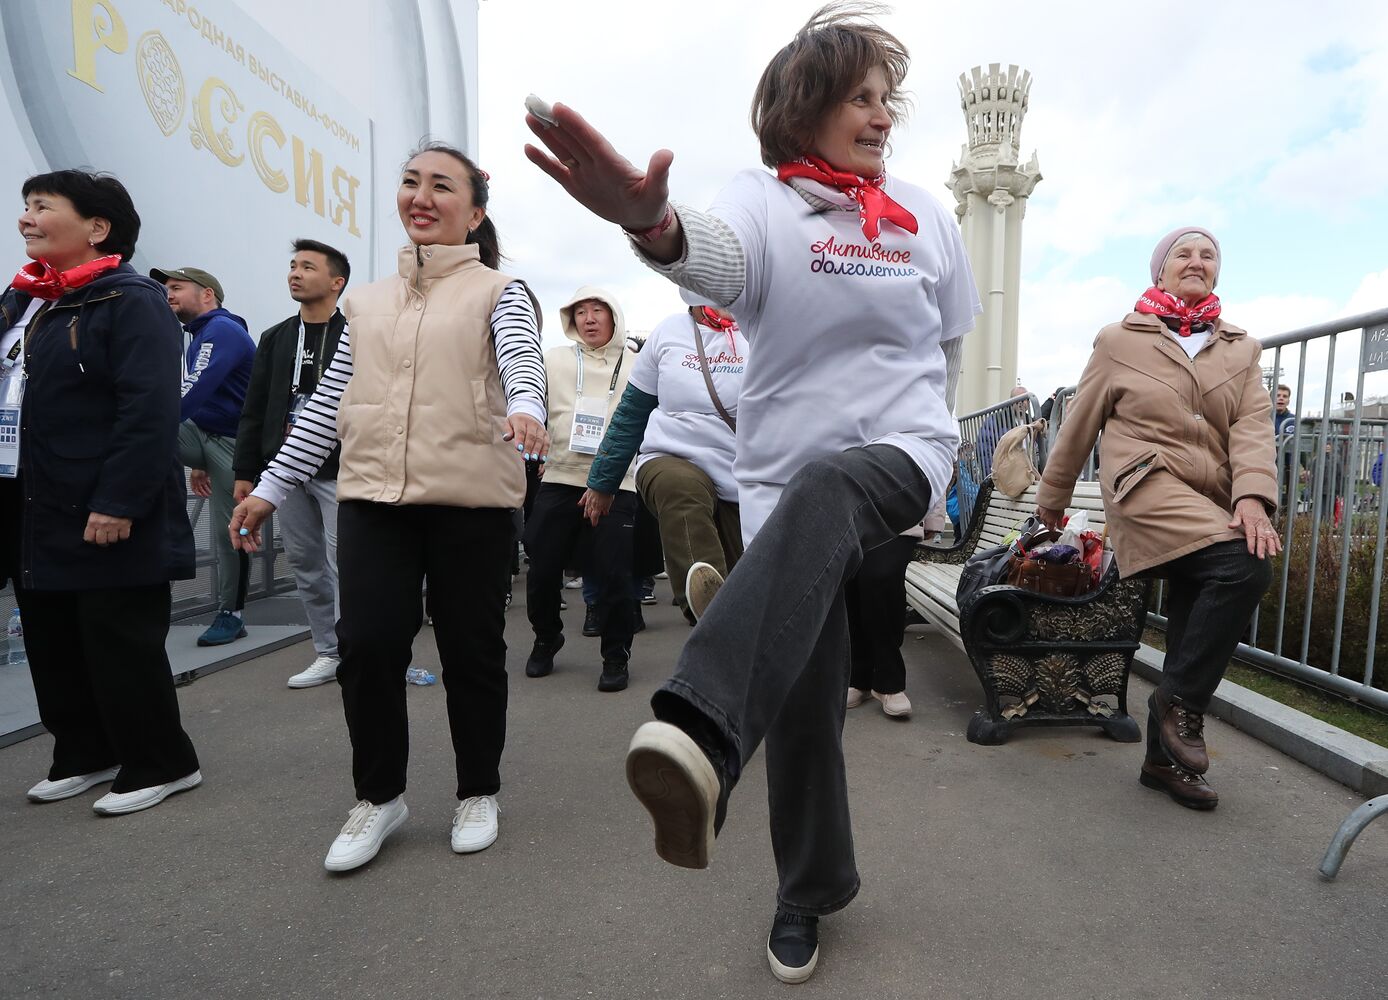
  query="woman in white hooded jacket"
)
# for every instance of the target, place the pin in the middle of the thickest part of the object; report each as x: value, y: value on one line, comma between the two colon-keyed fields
x: 586, y: 380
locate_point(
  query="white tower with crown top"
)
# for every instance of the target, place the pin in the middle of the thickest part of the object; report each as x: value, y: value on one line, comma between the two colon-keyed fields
x: 991, y: 187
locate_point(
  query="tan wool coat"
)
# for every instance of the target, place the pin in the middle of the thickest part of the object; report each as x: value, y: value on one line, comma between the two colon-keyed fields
x: 1183, y: 439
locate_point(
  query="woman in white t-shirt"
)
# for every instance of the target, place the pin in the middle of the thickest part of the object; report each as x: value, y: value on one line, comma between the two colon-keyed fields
x: 680, y: 411
x: 853, y: 289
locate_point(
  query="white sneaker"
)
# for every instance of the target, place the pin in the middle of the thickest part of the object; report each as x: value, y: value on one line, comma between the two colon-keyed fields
x: 856, y: 696
x: 700, y: 584
x: 662, y: 575
x: 120, y: 803
x: 574, y: 583
x: 475, y: 824
x: 365, y: 831
x: 320, y: 671
x: 66, y: 788
x: 897, y: 705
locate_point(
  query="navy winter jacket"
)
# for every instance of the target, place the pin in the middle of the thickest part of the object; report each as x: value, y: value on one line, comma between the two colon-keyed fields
x: 219, y: 371
x: 99, y: 432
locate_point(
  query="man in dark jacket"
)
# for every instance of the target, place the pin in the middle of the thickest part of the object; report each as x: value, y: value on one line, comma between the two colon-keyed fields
x: 288, y: 364
x: 217, y: 373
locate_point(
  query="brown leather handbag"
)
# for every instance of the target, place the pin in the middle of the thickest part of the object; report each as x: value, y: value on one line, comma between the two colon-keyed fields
x: 1052, y: 579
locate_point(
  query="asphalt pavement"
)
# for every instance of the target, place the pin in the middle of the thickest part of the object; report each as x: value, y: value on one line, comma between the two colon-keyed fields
x: 1037, y: 869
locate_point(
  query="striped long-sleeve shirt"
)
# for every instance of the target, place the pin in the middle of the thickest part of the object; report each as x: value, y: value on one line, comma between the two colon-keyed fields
x: 516, y: 339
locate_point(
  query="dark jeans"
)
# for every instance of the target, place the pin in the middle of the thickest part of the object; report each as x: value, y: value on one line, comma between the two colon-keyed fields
x: 1211, y: 595
x: 769, y: 659
x: 555, y: 528
x: 103, y: 683
x: 876, y: 600
x: 385, y: 555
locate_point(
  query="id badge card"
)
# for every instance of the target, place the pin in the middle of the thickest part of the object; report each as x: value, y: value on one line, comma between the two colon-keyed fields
x: 11, y: 399
x: 590, y: 423
x: 297, y: 402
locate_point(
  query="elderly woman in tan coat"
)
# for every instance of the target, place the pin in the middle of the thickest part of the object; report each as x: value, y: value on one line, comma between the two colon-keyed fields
x: 1188, y: 479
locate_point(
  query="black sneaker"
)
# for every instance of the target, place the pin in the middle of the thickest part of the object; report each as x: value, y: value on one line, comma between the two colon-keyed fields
x: 614, y: 676
x: 792, y: 949
x: 541, y: 662
x: 648, y: 590
x: 590, y: 622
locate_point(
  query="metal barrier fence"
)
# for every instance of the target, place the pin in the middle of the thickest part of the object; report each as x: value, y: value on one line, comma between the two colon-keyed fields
x: 979, y: 433
x: 1319, y: 622
x: 270, y: 572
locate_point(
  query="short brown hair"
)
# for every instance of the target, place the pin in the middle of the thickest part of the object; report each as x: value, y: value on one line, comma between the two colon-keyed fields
x: 1284, y: 388
x: 830, y: 55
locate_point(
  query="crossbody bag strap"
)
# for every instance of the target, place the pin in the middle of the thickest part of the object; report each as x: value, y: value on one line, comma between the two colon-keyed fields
x: 708, y: 381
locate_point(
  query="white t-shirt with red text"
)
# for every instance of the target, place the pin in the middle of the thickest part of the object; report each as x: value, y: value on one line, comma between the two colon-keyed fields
x: 686, y: 424
x: 845, y: 333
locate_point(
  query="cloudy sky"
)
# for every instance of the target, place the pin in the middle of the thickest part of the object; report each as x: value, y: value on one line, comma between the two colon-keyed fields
x: 1266, y: 122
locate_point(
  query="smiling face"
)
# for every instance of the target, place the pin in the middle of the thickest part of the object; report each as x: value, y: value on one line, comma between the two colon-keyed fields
x: 853, y: 135
x: 309, y: 278
x: 55, y: 231
x: 435, y: 201
x: 594, y: 321
x: 1190, y: 270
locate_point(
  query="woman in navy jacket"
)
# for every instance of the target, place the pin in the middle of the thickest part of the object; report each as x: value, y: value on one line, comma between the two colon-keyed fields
x: 96, y: 524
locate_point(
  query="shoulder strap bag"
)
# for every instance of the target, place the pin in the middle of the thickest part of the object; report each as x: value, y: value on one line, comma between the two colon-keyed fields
x: 708, y: 381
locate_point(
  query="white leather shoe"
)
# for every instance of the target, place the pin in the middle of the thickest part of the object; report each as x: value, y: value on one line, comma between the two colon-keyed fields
x: 366, y: 829
x: 897, y: 705
x: 120, y: 803
x: 66, y: 788
x: 856, y: 696
x: 475, y: 824
x: 320, y: 671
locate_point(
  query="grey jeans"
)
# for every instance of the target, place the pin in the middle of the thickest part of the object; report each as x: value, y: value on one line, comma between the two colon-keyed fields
x: 770, y: 658
x: 308, y: 522
x: 212, y: 453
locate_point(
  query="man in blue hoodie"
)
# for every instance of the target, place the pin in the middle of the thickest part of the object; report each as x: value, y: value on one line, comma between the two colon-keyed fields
x: 216, y: 375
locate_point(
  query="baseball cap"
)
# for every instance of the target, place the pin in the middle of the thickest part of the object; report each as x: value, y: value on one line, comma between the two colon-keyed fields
x: 194, y: 274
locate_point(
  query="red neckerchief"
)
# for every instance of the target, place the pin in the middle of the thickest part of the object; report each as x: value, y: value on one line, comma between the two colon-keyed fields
x: 874, y: 204
x: 42, y: 280
x: 1155, y: 302
x: 711, y: 319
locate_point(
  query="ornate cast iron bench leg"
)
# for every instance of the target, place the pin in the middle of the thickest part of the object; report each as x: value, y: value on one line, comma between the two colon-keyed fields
x: 1054, y: 661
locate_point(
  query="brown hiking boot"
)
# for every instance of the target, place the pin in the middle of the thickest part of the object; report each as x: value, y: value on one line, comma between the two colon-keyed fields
x: 1182, y: 732
x: 1189, y: 789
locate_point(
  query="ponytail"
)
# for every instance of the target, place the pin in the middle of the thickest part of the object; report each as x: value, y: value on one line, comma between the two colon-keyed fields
x: 488, y: 243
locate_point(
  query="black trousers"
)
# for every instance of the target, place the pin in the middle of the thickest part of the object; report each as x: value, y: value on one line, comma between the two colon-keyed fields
x: 103, y: 682
x: 1211, y: 595
x: 876, y: 600
x: 385, y: 553
x: 556, y: 535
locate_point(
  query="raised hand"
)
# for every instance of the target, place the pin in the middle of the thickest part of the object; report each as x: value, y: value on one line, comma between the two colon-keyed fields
x: 598, y: 177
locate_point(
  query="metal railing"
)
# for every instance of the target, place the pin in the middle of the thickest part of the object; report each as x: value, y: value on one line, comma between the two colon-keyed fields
x: 979, y: 433
x: 270, y: 572
x: 1327, y: 592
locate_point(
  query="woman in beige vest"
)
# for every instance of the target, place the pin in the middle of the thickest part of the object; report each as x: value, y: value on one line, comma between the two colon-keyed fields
x: 437, y: 392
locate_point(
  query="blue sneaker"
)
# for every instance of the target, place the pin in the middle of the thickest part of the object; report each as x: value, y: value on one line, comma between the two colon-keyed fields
x: 225, y: 628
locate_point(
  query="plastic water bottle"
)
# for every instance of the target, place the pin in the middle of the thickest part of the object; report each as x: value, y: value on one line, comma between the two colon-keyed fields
x: 420, y: 676
x: 14, y: 636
